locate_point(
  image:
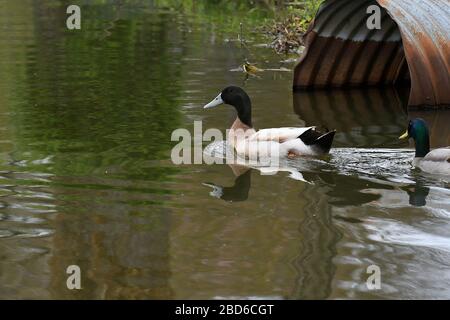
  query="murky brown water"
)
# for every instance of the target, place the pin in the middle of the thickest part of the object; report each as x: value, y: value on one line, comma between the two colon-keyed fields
x: 86, y: 176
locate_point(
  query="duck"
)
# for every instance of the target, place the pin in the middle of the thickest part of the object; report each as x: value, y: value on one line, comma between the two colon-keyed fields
x: 280, y: 142
x: 436, y: 161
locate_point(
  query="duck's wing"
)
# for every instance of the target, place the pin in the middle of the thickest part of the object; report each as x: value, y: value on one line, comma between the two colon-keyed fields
x: 279, y: 134
x: 438, y: 155
x: 299, y: 141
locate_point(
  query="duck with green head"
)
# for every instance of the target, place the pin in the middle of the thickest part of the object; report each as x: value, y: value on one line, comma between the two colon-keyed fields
x: 436, y: 161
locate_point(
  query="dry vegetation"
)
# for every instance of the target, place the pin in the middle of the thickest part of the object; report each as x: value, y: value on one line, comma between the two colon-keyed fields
x: 286, y: 32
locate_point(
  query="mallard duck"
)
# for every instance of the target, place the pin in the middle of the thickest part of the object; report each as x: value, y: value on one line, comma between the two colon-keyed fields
x: 436, y: 161
x: 281, y: 142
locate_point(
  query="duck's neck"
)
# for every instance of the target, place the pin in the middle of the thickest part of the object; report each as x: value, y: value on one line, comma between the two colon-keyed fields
x: 422, y: 142
x: 239, y: 132
x: 244, y: 110
x: 239, y: 125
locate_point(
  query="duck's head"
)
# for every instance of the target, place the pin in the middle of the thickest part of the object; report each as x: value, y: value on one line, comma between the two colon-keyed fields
x: 239, y: 99
x: 418, y: 130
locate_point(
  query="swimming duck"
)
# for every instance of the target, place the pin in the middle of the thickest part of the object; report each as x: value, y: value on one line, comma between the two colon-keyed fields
x: 280, y: 142
x: 436, y: 161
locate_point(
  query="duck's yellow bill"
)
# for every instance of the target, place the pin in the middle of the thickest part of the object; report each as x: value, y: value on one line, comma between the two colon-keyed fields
x: 404, y: 136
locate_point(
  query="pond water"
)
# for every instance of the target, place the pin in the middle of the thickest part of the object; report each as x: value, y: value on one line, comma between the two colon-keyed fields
x: 86, y: 176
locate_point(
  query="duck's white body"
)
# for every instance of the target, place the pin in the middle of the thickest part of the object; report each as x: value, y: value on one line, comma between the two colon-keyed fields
x: 272, y: 142
x: 436, y: 161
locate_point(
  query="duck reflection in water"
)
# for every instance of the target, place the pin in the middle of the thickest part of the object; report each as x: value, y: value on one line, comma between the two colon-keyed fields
x: 242, y: 183
x: 311, y: 175
x: 239, y: 191
x: 414, y: 194
x: 342, y: 189
x: 418, y: 194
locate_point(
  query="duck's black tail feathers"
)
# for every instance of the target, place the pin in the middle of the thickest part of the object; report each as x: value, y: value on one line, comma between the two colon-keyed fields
x: 321, y: 142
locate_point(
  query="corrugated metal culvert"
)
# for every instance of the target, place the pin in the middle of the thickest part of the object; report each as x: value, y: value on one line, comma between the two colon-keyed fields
x: 412, y: 45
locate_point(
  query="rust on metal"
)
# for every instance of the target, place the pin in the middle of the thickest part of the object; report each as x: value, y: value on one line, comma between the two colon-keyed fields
x: 412, y: 45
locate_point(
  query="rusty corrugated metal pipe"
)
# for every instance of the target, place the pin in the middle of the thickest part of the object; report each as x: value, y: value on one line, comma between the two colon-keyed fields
x: 412, y: 45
